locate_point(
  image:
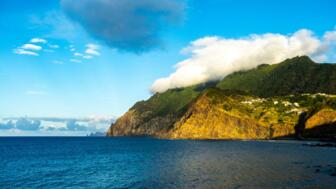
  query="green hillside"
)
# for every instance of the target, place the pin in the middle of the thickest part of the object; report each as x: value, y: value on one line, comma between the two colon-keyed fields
x: 292, y: 76
x: 171, y: 101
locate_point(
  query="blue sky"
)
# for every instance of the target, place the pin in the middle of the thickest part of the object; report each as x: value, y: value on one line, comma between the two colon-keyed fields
x: 56, y: 83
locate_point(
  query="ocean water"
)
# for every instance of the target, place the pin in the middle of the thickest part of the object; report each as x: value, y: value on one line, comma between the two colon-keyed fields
x: 85, y: 162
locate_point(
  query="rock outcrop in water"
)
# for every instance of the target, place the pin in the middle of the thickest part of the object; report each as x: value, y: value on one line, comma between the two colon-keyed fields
x: 271, y: 101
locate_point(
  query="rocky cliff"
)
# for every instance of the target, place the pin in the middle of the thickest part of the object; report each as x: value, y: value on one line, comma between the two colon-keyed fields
x: 219, y: 115
x: 244, y: 105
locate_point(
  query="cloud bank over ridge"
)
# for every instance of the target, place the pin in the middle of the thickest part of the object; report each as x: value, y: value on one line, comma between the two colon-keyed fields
x: 212, y: 58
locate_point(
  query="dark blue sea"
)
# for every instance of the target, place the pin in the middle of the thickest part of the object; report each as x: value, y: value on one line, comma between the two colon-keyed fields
x: 85, y: 162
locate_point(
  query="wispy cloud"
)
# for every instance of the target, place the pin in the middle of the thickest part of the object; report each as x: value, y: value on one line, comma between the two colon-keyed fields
x: 83, y: 55
x: 25, y: 52
x: 38, y: 40
x: 92, y: 49
x: 35, y: 47
x: 28, y: 49
x: 72, y: 48
x: 32, y: 47
x: 87, y: 56
x: 75, y: 60
x: 78, y: 54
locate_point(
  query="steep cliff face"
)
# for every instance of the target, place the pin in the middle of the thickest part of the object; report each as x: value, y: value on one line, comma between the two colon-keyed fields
x: 207, y: 118
x: 155, y: 116
x: 134, y: 123
x: 218, y: 114
x: 244, y: 105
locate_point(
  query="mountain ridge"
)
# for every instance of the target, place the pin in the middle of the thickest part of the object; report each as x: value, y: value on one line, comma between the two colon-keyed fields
x: 251, y: 104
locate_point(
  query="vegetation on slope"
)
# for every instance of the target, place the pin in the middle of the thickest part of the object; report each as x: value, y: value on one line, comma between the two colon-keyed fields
x: 173, y: 101
x: 292, y: 76
x: 231, y: 115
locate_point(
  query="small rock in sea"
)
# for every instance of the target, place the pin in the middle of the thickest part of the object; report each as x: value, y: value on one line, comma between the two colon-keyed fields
x: 317, y: 170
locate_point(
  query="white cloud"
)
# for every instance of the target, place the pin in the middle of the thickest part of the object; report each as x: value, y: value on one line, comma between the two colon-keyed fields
x: 32, y: 47
x: 83, y: 55
x: 92, y: 49
x: 330, y: 36
x: 38, y: 40
x: 45, y: 124
x: 28, y: 49
x: 75, y: 61
x: 25, y: 52
x: 212, y: 58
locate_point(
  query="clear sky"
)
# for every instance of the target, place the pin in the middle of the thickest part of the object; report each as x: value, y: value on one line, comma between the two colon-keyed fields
x: 62, y: 59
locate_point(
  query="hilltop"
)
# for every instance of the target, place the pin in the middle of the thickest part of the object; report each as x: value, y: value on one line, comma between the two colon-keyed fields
x: 292, y: 76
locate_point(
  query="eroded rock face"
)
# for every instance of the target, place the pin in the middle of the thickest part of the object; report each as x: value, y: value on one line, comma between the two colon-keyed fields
x: 124, y: 125
x: 208, y: 120
x: 134, y: 124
